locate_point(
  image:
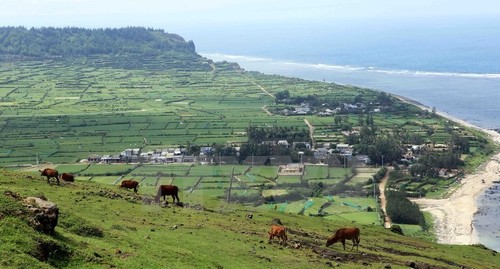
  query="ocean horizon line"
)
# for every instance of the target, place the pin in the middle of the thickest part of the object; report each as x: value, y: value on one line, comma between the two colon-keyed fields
x: 350, y: 68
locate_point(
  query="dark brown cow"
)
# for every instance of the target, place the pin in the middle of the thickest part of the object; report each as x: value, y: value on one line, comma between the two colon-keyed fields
x: 130, y: 184
x: 165, y: 190
x: 48, y: 172
x: 278, y: 231
x: 345, y: 233
x: 67, y: 177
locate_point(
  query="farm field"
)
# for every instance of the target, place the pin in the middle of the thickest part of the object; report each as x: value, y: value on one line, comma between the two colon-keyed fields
x: 61, y: 112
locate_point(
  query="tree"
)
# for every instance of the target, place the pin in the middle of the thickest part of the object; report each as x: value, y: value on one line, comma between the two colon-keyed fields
x: 283, y: 95
x: 385, y: 149
x: 358, y: 98
x: 384, y: 99
x: 317, y: 189
x: 337, y: 120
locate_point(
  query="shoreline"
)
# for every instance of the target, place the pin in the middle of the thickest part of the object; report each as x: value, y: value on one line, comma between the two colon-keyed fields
x: 454, y: 216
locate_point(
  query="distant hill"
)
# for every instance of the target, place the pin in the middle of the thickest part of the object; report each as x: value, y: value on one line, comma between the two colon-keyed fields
x: 49, y: 42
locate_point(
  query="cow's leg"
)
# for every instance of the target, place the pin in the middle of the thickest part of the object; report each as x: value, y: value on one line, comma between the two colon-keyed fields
x: 343, y: 243
x: 57, y: 180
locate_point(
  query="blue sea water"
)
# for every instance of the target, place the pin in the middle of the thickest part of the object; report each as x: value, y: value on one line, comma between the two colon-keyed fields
x: 452, y: 65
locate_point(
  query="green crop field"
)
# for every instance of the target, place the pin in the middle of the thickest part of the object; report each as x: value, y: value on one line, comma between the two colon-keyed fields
x: 108, y: 169
x: 105, y: 180
x: 72, y: 168
x: 288, y: 179
x: 264, y: 171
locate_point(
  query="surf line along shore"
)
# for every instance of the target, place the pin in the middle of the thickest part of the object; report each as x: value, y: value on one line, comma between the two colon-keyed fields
x: 454, y: 216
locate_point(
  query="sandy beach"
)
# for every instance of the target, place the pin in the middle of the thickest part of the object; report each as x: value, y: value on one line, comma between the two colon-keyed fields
x: 454, y: 216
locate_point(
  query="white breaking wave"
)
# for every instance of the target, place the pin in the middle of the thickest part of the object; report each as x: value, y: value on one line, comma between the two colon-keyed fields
x: 346, y: 68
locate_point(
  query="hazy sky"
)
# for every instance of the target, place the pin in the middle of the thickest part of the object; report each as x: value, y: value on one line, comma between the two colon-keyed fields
x: 204, y: 13
x: 212, y: 24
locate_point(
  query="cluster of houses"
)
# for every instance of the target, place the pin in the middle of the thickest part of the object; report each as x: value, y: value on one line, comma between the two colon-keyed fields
x: 321, y: 155
x: 304, y: 109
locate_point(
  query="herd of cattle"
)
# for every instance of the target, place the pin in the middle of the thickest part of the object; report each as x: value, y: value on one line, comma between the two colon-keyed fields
x: 163, y: 190
x: 278, y: 230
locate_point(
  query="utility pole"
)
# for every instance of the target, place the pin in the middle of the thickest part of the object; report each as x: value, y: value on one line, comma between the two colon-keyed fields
x: 230, y: 186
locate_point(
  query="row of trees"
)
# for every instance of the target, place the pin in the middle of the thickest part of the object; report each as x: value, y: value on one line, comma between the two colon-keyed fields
x: 402, y: 210
x: 259, y: 135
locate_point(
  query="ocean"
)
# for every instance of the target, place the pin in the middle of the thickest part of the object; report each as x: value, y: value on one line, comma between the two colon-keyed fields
x: 452, y: 65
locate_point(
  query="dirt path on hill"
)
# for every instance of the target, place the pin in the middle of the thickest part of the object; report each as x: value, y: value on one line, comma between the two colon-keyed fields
x: 259, y: 86
x: 311, y: 132
x: 267, y: 110
x: 383, y: 200
x: 263, y: 89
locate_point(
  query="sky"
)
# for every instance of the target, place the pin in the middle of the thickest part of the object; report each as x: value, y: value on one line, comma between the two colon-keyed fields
x: 212, y: 23
x: 167, y: 14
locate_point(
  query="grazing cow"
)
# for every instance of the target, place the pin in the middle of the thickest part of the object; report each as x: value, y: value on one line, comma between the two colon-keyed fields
x: 48, y: 172
x: 67, y: 177
x: 165, y: 190
x: 345, y: 233
x: 130, y: 184
x: 278, y: 231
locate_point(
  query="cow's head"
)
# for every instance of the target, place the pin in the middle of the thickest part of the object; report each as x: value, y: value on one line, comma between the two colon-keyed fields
x: 332, y: 240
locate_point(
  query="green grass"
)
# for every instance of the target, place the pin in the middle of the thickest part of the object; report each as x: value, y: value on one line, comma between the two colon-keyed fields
x: 105, y: 180
x: 107, y: 169
x: 269, y: 172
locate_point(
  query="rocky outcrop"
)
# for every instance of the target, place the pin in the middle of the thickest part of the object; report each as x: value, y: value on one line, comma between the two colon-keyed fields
x: 43, y: 214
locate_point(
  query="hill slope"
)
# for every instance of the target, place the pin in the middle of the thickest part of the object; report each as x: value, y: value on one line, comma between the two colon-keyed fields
x: 66, y: 42
x: 102, y: 226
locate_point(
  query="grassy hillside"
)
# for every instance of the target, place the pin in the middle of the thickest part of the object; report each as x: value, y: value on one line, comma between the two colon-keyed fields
x: 102, y: 226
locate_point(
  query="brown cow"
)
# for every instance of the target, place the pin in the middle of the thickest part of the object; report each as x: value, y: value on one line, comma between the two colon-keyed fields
x: 345, y: 233
x: 165, y: 190
x: 278, y: 231
x: 130, y: 184
x: 67, y: 177
x: 48, y: 172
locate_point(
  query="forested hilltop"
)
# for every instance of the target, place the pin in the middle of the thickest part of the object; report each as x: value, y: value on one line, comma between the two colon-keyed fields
x: 71, y: 41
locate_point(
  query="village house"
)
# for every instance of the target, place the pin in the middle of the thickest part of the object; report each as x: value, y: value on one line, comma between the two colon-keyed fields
x: 94, y: 158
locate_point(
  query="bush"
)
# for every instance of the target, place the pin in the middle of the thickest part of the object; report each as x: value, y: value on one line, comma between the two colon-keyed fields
x: 397, y: 229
